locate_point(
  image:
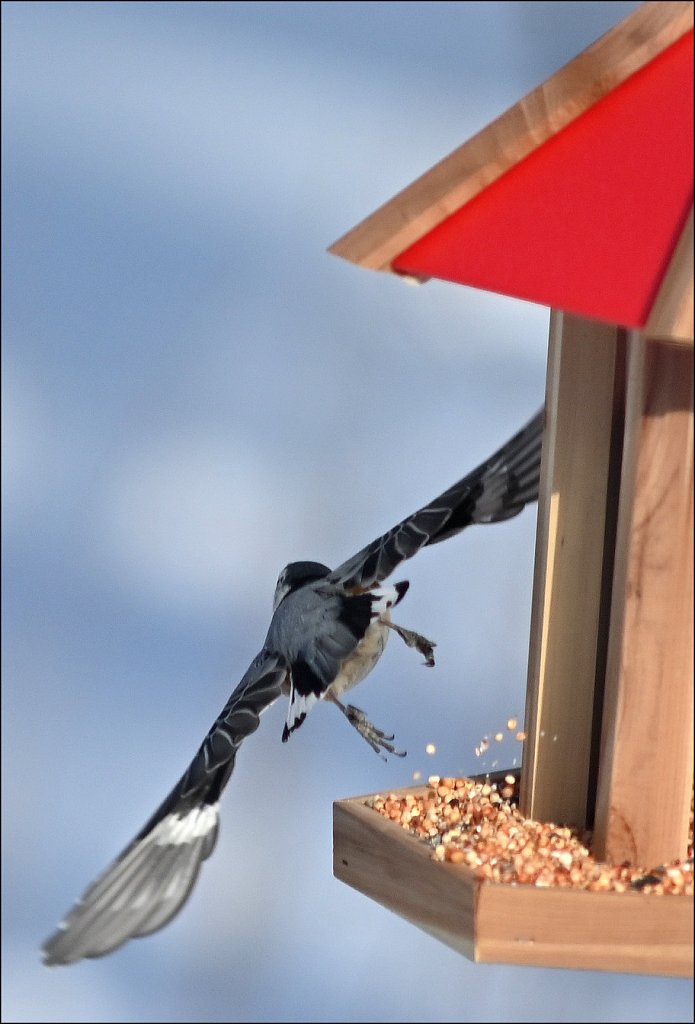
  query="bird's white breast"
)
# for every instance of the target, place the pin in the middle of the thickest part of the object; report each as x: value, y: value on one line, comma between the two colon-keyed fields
x: 364, y: 658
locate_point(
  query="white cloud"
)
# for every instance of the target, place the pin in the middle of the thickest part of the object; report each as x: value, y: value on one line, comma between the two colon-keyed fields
x: 37, y: 458
x: 188, y: 521
x: 213, y: 126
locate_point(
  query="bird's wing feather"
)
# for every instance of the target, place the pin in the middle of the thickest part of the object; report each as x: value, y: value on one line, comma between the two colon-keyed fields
x: 153, y: 877
x: 497, y: 489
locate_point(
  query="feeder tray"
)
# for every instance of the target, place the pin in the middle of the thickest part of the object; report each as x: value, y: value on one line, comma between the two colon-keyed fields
x: 497, y: 922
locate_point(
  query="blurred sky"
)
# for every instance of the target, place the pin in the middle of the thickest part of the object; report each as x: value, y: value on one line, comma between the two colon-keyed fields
x: 195, y: 393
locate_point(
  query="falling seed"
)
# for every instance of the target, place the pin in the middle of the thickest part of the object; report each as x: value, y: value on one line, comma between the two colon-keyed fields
x: 482, y: 746
x: 430, y: 748
x: 511, y: 724
x: 499, y: 736
x: 417, y: 776
x: 521, y: 736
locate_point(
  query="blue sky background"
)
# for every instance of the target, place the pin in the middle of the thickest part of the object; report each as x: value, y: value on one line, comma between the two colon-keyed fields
x: 195, y: 393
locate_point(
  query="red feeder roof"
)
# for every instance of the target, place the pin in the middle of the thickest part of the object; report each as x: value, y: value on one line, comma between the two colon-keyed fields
x: 589, y: 219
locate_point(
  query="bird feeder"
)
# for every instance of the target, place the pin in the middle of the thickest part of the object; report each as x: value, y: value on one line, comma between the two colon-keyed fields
x: 580, y: 198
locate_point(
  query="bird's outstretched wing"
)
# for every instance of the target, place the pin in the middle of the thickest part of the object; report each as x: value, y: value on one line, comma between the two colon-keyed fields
x: 151, y: 880
x: 497, y: 489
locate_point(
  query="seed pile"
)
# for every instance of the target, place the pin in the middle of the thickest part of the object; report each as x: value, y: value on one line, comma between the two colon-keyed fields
x: 477, y: 824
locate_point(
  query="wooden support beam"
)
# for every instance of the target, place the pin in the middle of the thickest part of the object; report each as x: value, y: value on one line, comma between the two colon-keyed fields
x: 566, y: 654
x: 672, y: 313
x: 646, y: 761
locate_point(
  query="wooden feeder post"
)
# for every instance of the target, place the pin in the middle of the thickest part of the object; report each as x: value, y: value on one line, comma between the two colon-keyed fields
x: 592, y: 175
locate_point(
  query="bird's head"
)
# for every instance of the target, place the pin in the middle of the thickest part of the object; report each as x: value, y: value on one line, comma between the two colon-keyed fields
x: 296, y: 575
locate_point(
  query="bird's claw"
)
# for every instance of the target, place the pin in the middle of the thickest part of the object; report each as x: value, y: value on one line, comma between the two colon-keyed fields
x: 376, y: 739
x: 418, y: 641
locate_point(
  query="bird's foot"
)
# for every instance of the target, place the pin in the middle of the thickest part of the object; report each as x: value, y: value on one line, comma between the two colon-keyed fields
x: 417, y: 640
x: 376, y: 739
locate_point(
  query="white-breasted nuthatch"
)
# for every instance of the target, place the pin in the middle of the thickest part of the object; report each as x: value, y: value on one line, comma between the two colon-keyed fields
x: 327, y: 632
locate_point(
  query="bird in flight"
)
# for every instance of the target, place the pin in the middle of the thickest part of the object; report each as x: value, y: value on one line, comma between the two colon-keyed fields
x: 328, y: 630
